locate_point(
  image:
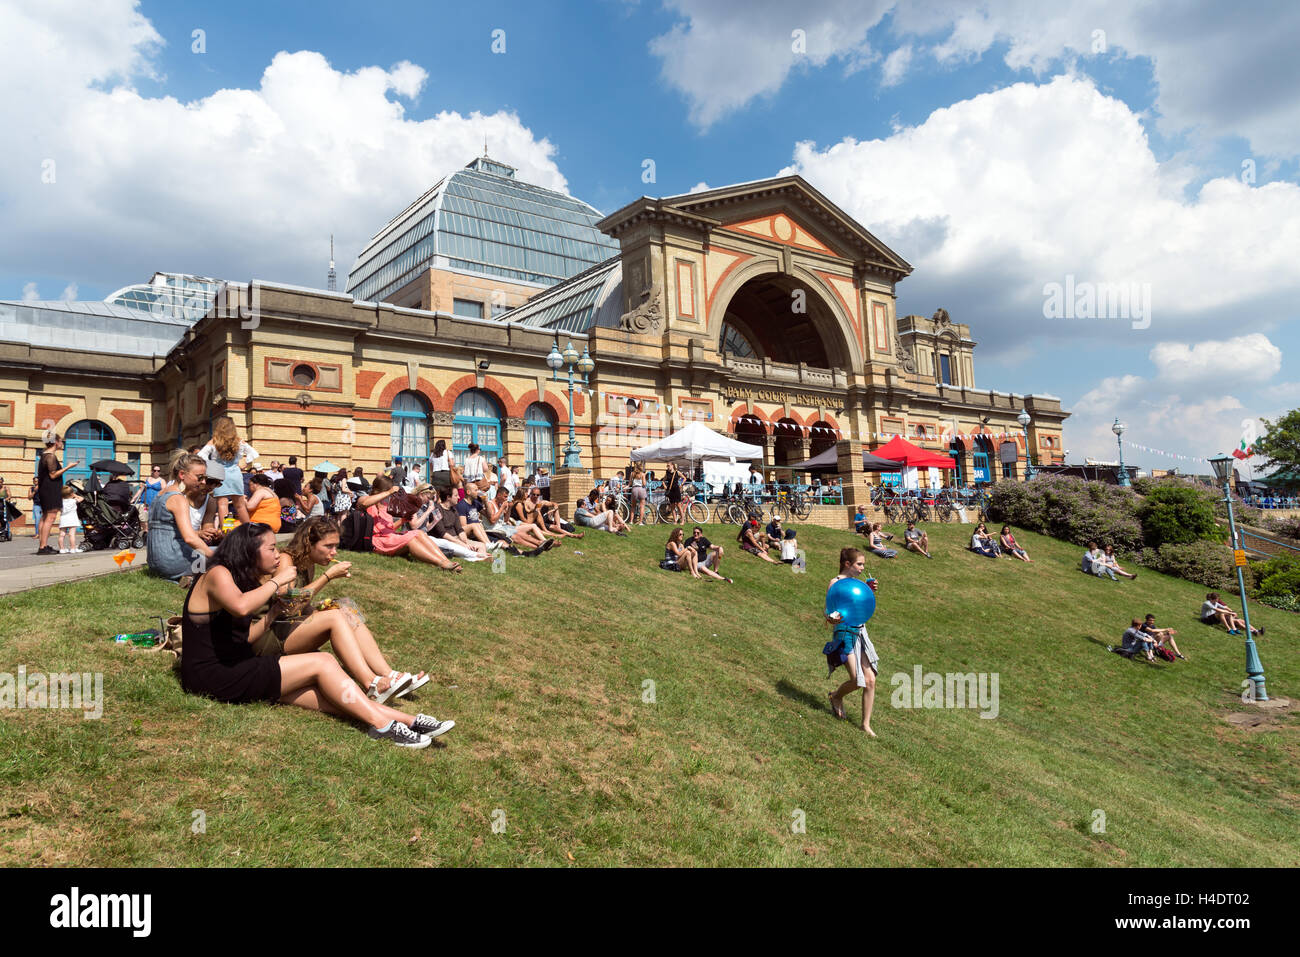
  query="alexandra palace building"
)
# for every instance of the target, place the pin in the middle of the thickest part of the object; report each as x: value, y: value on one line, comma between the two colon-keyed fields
x: 760, y: 309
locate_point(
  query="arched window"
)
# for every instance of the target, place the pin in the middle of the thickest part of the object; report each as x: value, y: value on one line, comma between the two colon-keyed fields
x: 478, y: 419
x: 789, y: 442
x: 823, y: 437
x: 409, y: 431
x: 736, y: 343
x: 85, y: 442
x: 539, y: 438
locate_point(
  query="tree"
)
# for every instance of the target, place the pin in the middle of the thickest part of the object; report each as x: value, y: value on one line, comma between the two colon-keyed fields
x: 1280, y: 442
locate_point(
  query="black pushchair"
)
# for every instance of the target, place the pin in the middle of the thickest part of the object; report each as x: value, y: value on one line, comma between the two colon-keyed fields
x: 104, y: 525
x: 9, y: 513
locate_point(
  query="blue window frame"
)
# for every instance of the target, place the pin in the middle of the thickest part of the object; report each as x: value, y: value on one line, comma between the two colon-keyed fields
x: 409, y: 432
x: 945, y: 369
x: 959, y: 474
x: 85, y: 442
x: 539, y: 438
x: 477, y: 419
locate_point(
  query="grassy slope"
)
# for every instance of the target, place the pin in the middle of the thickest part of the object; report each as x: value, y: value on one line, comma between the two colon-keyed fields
x: 548, y: 662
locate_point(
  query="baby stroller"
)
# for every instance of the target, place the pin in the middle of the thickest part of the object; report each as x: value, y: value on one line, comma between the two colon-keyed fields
x: 9, y: 512
x: 104, y: 524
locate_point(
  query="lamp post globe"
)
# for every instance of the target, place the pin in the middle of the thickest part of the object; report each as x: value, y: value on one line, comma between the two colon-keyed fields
x: 555, y: 360
x: 1118, y: 429
x: 586, y: 363
x: 570, y: 354
x: 1024, y: 419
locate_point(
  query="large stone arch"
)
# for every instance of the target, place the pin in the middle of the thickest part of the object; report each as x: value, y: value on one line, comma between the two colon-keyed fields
x: 826, y: 312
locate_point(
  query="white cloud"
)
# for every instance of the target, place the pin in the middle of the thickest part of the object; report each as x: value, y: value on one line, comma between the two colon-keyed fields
x: 1222, y: 69
x: 994, y: 197
x: 69, y: 293
x: 31, y: 293
x: 724, y: 53
x: 1251, y: 357
x: 699, y: 187
x: 244, y: 183
x: 895, y: 66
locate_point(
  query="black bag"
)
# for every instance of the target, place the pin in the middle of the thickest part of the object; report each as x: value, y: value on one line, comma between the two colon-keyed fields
x: 356, y: 532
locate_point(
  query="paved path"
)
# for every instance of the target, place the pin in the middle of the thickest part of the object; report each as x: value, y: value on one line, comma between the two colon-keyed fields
x: 21, y: 568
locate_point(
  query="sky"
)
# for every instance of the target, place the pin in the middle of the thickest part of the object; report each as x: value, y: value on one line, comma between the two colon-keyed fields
x: 1107, y: 193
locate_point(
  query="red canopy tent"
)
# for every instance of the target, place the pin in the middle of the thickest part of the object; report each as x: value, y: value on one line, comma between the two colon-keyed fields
x: 898, y: 449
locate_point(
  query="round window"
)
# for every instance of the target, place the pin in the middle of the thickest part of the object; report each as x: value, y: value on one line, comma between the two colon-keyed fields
x: 304, y: 375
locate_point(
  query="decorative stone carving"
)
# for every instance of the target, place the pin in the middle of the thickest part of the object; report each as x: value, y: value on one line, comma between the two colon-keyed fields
x: 513, y: 423
x: 442, y: 418
x: 648, y: 315
x: 941, y: 318
x: 906, y: 358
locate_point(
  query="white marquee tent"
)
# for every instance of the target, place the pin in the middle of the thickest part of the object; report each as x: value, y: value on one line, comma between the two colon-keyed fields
x: 695, y: 443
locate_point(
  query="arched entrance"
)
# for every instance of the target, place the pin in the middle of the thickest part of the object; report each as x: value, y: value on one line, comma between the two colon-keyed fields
x: 789, y: 442
x: 822, y: 437
x: 782, y: 318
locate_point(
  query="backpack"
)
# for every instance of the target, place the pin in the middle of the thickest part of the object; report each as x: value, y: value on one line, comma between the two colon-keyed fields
x: 356, y: 531
x: 1164, y: 653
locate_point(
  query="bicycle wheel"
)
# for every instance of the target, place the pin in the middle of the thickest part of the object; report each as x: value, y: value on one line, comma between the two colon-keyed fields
x: 664, y: 513
x: 780, y: 510
x: 624, y: 510
x: 920, y: 512
x: 801, y: 508
x: 736, y: 514
x: 696, y: 514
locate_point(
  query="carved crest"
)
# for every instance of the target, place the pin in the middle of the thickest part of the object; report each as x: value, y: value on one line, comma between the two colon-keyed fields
x: 905, y: 357
x: 941, y: 318
x: 648, y: 315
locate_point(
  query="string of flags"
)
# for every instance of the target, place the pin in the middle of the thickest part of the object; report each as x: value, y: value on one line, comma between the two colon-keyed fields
x: 1168, y: 455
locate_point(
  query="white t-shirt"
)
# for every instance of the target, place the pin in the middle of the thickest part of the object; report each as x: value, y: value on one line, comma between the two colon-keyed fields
x: 68, y: 515
x: 440, y: 463
x: 473, y: 468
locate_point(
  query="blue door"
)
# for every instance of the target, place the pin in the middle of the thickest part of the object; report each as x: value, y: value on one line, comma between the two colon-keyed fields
x: 87, y: 441
x: 980, y: 467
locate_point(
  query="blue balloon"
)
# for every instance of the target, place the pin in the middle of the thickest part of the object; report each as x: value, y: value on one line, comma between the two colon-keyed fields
x: 853, y: 599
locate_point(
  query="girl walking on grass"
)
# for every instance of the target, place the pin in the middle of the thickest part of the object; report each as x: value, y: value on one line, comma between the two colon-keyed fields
x: 852, y: 649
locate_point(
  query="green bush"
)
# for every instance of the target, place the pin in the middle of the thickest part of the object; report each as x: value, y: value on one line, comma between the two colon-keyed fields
x: 1207, y: 563
x: 1070, y: 509
x: 1279, y: 578
x: 1173, y: 515
x: 1285, y: 602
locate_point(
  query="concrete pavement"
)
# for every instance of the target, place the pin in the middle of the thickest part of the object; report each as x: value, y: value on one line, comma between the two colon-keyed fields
x: 21, y: 568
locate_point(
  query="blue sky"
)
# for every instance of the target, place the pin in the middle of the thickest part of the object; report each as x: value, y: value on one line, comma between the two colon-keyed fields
x: 996, y: 151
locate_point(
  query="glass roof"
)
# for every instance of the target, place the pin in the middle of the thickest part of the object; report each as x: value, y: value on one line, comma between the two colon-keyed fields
x: 174, y: 295
x: 481, y: 219
x: 574, y: 306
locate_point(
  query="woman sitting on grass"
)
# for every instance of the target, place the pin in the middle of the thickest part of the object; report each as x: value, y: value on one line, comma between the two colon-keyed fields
x: 263, y: 504
x: 219, y: 662
x: 750, y: 541
x: 524, y: 538
x: 315, y: 543
x: 1009, y: 546
x: 981, y: 542
x: 680, y: 557
x: 1108, y: 561
x: 877, y: 539
x: 387, y: 540
x: 853, y: 649
x: 181, y: 519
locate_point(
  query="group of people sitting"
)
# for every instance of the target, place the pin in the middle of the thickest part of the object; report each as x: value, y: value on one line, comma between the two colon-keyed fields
x: 1144, y: 639
x: 1102, y: 562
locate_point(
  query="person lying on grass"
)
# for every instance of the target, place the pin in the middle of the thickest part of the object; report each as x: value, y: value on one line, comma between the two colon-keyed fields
x: 917, y: 540
x: 315, y: 544
x: 751, y: 541
x: 387, y: 540
x: 1009, y: 546
x: 1215, y: 612
x: 1135, y: 642
x: 1161, y: 636
x: 853, y: 649
x: 218, y: 635
x: 877, y: 540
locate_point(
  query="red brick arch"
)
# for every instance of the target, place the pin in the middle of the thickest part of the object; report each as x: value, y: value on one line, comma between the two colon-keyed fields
x: 402, y: 383
x: 531, y: 396
x: 509, y: 407
x: 746, y: 409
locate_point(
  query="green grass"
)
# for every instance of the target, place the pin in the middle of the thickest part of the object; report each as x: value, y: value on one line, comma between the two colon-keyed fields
x: 543, y: 669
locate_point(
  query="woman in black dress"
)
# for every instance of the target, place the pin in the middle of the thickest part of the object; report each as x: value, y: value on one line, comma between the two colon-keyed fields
x: 218, y: 635
x: 49, y: 490
x: 673, y: 486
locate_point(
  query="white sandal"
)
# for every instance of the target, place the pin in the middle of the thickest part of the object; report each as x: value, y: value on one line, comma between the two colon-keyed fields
x: 416, y: 681
x: 394, y: 685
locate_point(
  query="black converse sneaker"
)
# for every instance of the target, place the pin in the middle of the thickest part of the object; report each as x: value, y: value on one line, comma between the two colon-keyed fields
x: 400, y: 735
x: 425, y: 724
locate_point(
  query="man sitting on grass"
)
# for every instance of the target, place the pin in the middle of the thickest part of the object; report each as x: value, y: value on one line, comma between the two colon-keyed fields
x: 1162, y: 636
x: 917, y: 540
x: 860, y: 522
x: 1215, y: 612
x: 1136, y: 642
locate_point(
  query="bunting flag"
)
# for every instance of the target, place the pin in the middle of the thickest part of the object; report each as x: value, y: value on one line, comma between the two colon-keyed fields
x: 1170, y: 455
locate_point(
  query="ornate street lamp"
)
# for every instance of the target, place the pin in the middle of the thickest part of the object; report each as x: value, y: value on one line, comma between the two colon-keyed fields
x: 1024, y: 420
x: 1118, y: 428
x: 1254, y: 669
x: 584, y: 364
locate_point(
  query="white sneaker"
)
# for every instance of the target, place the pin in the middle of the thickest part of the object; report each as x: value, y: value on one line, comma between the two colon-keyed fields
x: 401, y: 735
x: 65, y: 551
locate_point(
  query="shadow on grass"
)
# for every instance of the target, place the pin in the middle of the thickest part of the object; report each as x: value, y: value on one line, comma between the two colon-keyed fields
x: 816, y: 702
